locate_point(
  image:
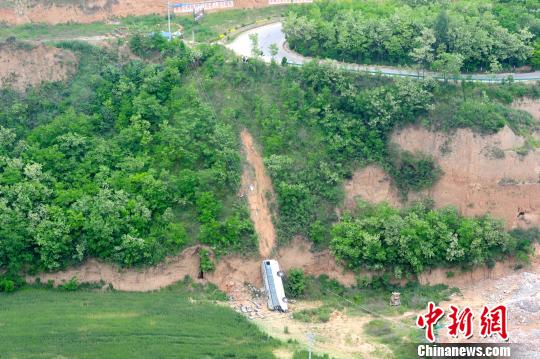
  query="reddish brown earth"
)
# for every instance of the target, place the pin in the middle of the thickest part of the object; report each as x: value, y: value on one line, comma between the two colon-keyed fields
x: 23, y: 65
x: 371, y: 184
x: 482, y: 174
x: 26, y: 11
x: 257, y: 187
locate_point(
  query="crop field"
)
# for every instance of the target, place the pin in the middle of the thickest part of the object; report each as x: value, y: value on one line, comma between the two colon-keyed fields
x: 175, y: 322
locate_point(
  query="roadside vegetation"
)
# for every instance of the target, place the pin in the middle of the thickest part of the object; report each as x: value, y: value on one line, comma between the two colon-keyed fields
x: 447, y: 37
x: 181, y: 320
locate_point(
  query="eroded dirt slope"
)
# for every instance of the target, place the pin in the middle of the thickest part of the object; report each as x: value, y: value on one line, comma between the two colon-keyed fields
x: 529, y: 105
x: 231, y: 271
x: 371, y: 184
x: 23, y: 65
x: 257, y: 187
x: 85, y: 11
x: 481, y: 174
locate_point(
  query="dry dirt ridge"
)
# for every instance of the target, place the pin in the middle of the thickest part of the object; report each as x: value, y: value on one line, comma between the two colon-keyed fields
x: 24, y: 64
x: 86, y: 11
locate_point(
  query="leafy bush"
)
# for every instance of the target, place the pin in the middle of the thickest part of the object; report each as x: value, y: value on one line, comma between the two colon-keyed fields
x: 205, y: 261
x: 379, y: 237
x: 7, y: 285
x: 483, y: 115
x: 414, y: 171
x: 148, y: 45
x: 71, y: 285
x: 295, y: 283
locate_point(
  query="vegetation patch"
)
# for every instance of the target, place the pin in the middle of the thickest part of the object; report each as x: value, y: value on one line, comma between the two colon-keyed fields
x: 123, y: 163
x: 414, y: 172
x: 379, y: 237
x: 314, y: 315
x: 87, y: 323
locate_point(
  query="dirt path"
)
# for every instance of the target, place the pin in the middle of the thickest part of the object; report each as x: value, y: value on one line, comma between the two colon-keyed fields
x: 257, y: 186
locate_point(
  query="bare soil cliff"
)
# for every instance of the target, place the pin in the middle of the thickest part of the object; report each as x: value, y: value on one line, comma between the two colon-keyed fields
x: 85, y: 11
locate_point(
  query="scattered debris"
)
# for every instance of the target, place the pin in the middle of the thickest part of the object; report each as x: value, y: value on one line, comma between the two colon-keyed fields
x: 395, y: 299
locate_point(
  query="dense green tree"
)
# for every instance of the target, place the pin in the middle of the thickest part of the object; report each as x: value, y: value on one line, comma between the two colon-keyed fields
x: 295, y: 283
x: 535, y: 59
x: 381, y: 238
x: 400, y: 34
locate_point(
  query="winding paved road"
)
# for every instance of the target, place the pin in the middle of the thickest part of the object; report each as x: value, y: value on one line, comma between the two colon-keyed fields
x: 273, y: 34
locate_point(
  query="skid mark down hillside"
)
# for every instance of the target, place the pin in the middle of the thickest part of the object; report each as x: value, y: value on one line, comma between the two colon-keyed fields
x: 257, y: 186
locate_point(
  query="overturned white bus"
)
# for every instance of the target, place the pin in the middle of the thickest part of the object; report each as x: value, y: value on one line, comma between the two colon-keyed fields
x: 274, y: 285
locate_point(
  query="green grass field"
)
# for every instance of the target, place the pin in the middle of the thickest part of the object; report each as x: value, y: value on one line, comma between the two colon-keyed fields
x: 49, y: 323
x: 209, y: 28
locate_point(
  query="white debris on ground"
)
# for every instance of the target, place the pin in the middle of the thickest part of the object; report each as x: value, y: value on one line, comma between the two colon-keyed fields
x: 250, y: 301
x: 520, y: 293
x: 247, y: 299
x: 523, y: 303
